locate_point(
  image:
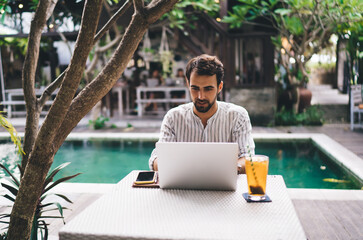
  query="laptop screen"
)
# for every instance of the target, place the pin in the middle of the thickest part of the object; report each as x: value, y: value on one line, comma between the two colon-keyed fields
x: 197, y: 165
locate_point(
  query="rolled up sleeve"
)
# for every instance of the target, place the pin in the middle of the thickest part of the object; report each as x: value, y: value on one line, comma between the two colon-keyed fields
x: 242, y: 134
x: 167, y: 134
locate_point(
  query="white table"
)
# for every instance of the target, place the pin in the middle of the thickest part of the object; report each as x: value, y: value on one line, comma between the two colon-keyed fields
x: 18, y: 92
x: 119, y: 89
x: 146, y: 213
x: 141, y: 96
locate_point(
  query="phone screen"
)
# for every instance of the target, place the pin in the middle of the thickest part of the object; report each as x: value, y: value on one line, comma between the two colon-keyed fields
x: 145, y: 176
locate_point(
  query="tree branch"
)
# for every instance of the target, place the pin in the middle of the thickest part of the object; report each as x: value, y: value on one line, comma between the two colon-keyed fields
x: 108, y: 10
x: 109, y: 45
x: 112, y: 20
x: 153, y: 9
x: 84, y: 43
x: 28, y: 77
x: 56, y: 83
x: 105, y: 80
x: 51, y: 7
x: 139, y: 6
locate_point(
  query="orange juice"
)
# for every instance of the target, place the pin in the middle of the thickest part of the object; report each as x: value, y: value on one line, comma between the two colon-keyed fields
x: 256, y: 171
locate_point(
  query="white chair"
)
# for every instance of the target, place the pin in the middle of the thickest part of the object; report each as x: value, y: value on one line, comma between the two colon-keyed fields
x: 355, y: 106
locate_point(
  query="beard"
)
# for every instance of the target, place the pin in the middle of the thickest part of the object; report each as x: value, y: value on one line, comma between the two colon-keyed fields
x: 203, y: 106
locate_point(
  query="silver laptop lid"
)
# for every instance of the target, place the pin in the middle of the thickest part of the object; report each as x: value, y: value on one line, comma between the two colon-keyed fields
x: 197, y: 165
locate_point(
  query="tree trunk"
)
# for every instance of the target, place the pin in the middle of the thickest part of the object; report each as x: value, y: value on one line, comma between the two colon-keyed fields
x: 41, y: 156
x: 66, y: 112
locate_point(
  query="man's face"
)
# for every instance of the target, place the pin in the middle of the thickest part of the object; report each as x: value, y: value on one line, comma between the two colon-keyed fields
x: 204, y: 91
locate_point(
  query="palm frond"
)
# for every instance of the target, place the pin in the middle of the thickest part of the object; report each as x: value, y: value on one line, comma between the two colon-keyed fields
x: 11, y: 189
x: 11, y: 175
x: 13, y: 133
x: 45, y: 228
x: 54, y: 172
x: 9, y: 197
x: 64, y: 197
x: 60, y: 181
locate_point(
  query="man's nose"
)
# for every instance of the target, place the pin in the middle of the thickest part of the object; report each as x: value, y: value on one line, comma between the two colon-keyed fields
x: 201, y: 94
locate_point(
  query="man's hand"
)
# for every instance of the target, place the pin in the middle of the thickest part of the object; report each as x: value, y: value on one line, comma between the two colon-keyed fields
x: 241, y: 165
x: 155, y: 164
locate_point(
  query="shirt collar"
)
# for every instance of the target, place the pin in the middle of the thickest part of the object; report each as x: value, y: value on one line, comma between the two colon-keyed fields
x: 211, y: 118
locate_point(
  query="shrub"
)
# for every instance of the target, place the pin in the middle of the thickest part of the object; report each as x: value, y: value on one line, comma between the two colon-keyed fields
x: 99, y: 123
x: 40, y: 226
x: 312, y: 116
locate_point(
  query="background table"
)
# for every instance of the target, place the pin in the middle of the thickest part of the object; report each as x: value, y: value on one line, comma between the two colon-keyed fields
x: 11, y: 102
x: 119, y: 88
x: 146, y: 213
x: 141, y: 96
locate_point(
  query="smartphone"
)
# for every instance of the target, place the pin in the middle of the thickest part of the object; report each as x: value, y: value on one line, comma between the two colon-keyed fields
x: 146, y: 177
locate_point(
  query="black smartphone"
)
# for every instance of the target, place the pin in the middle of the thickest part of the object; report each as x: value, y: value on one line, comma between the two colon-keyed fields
x: 146, y: 177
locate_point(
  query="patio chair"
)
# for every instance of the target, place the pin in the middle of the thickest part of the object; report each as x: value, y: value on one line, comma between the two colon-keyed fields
x: 356, y: 106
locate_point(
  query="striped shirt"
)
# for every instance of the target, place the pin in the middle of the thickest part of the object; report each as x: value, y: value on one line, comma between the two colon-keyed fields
x: 230, y: 123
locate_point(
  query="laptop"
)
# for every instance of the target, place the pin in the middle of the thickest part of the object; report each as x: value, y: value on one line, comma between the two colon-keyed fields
x: 152, y: 82
x: 197, y: 165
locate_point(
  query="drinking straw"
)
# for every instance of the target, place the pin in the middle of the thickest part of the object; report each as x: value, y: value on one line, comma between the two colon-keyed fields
x: 253, y: 167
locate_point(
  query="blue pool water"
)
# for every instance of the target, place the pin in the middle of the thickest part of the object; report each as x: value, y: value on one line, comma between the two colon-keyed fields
x: 300, y: 163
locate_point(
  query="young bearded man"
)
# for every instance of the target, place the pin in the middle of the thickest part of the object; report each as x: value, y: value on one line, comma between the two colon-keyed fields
x: 206, y: 119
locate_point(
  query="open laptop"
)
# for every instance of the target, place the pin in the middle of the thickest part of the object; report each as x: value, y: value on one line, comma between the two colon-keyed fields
x: 197, y: 165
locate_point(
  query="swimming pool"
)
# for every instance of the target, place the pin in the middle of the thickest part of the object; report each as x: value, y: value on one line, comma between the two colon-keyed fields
x: 299, y: 161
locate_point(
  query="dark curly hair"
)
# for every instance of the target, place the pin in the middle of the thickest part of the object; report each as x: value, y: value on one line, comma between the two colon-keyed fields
x: 205, y: 65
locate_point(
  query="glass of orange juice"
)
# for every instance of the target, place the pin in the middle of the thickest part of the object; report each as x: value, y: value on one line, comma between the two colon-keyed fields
x: 256, y: 171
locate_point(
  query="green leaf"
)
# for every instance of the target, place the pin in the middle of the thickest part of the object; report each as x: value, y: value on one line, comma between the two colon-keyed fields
x: 282, y: 11
x: 51, y: 210
x: 45, y: 205
x: 13, y: 133
x: 4, y: 216
x: 45, y: 227
x: 10, y: 180
x: 264, y: 3
x: 21, y: 170
x: 64, y: 197
x: 2, y: 20
x: 294, y: 25
x: 11, y: 189
x: 49, y: 217
x: 11, y: 175
x: 54, y: 172
x: 60, y: 181
x: 60, y: 208
x: 9, y: 197
x: 34, y: 230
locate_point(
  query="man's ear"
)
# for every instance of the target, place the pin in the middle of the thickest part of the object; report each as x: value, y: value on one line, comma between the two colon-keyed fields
x: 187, y: 82
x: 220, y: 87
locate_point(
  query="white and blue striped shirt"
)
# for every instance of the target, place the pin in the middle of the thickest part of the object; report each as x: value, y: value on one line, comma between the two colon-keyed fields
x: 230, y: 123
